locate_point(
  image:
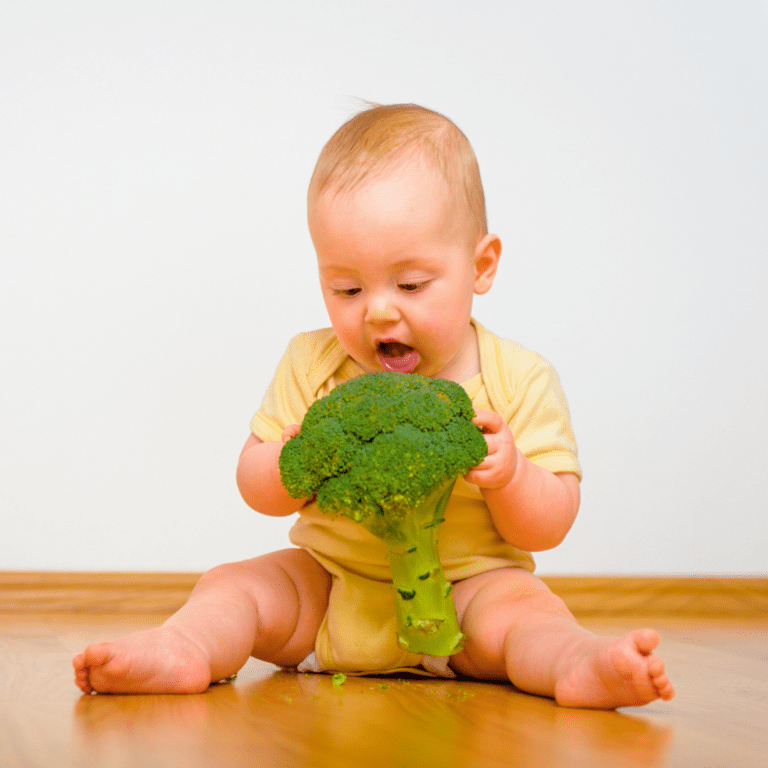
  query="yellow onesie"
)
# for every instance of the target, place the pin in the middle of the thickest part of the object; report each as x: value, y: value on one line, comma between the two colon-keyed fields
x: 358, y: 633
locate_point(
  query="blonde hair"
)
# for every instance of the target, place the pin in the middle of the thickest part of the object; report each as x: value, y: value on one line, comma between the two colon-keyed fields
x: 384, y: 137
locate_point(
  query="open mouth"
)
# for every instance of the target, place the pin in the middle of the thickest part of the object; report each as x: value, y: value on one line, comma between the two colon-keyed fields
x: 397, y: 357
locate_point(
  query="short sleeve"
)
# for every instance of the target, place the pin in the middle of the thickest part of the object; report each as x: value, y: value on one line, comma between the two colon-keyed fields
x: 525, y: 390
x: 288, y: 396
x: 540, y: 421
x: 313, y: 364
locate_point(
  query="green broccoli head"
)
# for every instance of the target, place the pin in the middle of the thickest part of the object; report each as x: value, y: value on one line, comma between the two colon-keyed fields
x: 384, y: 450
x: 381, y: 443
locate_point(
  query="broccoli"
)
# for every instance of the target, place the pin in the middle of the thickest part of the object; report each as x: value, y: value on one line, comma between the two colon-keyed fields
x: 385, y: 449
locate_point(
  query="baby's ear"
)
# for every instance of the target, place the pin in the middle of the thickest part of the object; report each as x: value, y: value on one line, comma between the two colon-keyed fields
x: 487, y: 255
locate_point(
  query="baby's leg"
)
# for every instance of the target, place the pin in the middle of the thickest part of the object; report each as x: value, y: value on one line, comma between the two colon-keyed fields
x: 518, y: 630
x: 270, y: 607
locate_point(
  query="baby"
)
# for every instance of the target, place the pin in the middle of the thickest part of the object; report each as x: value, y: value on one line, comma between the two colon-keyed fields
x: 396, y: 212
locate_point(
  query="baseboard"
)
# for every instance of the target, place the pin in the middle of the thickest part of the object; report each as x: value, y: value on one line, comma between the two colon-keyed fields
x: 668, y: 596
x: 118, y: 592
x: 163, y: 593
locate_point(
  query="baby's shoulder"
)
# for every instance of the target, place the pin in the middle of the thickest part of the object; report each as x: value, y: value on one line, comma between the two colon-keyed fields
x: 512, y: 373
x: 309, y: 348
x: 509, y: 357
x: 316, y: 356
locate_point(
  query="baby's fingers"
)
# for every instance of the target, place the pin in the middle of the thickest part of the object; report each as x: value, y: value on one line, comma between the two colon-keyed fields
x: 485, y: 475
x: 292, y: 430
x: 488, y: 421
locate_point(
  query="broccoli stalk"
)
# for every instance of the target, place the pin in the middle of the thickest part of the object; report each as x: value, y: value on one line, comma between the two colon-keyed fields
x: 385, y: 449
x: 426, y: 617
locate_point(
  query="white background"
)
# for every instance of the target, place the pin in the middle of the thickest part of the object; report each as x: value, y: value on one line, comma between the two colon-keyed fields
x: 154, y: 158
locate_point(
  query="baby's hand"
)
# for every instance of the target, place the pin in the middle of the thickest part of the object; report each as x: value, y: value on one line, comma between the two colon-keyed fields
x: 292, y: 430
x: 498, y: 467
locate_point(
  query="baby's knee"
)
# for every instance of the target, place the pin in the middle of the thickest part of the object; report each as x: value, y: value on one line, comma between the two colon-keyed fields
x: 287, y: 573
x: 225, y: 575
x: 489, y: 604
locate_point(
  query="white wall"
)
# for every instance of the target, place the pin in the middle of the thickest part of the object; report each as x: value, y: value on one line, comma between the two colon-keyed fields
x: 154, y: 158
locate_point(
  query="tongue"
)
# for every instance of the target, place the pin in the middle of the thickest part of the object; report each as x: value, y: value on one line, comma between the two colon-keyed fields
x: 398, y: 357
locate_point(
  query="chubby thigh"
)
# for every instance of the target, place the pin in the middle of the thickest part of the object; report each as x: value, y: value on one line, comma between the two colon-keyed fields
x: 289, y: 590
x: 492, y: 608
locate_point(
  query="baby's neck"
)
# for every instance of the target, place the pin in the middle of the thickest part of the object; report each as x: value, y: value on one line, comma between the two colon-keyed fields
x: 466, y: 364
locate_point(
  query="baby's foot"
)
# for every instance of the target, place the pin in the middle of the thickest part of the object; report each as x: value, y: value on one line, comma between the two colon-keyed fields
x: 606, y: 673
x: 161, y: 660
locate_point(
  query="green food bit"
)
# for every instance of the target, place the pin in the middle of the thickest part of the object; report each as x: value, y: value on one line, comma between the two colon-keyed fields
x: 338, y: 678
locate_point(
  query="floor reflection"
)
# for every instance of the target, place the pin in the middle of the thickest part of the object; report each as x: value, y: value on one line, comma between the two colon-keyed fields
x: 284, y: 718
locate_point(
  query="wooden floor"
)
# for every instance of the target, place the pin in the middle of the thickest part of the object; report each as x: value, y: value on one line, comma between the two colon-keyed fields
x: 269, y: 717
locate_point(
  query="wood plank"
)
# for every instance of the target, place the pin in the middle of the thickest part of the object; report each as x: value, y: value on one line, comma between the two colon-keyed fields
x: 674, y: 596
x: 279, y: 719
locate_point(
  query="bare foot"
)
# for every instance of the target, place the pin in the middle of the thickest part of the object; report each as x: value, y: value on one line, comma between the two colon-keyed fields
x: 606, y: 673
x: 161, y: 660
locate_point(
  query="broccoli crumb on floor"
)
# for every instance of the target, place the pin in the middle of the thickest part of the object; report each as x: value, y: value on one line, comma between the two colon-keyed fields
x: 431, y: 689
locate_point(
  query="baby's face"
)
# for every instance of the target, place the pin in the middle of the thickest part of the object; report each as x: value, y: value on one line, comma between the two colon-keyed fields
x: 398, y: 273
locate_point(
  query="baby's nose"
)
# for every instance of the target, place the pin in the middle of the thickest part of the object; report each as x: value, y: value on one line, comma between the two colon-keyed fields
x: 381, y: 309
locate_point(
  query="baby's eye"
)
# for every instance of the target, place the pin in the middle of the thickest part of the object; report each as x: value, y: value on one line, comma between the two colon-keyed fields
x: 346, y: 291
x: 411, y: 287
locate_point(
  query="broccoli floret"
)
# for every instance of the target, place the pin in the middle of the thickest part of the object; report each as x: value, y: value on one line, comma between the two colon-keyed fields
x: 385, y: 449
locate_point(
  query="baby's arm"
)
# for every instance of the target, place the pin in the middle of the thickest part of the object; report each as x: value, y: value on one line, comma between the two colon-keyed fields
x: 258, y: 477
x: 531, y: 507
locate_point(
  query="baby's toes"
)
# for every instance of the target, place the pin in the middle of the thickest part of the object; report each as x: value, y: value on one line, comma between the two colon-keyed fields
x: 81, y: 674
x: 660, y: 679
x: 665, y: 688
x: 629, y: 664
x: 97, y: 655
x: 645, y: 640
x: 655, y: 667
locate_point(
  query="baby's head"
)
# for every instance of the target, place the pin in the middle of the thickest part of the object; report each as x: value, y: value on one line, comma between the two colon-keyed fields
x: 397, y: 216
x: 382, y: 139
